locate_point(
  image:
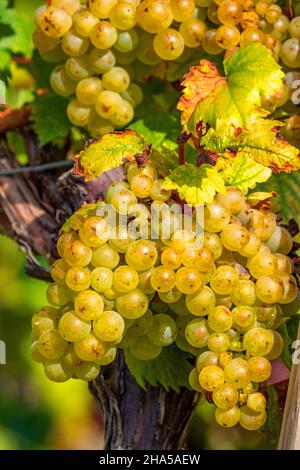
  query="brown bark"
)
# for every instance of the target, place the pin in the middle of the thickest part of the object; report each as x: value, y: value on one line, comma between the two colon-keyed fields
x: 32, y: 208
x: 141, y: 419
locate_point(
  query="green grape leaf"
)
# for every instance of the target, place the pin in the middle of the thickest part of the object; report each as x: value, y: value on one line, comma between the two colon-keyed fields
x: 154, y: 120
x: 272, y: 425
x: 234, y: 99
x: 195, y: 185
x: 170, y: 370
x: 84, y: 211
x: 286, y: 354
x: 164, y: 158
x: 245, y: 173
x: 109, y: 152
x: 260, y: 142
x: 40, y: 70
x: 19, y: 41
x: 261, y: 198
x: 287, y: 186
x: 46, y: 111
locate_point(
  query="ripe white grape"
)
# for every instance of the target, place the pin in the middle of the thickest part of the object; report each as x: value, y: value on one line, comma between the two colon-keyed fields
x: 221, y: 303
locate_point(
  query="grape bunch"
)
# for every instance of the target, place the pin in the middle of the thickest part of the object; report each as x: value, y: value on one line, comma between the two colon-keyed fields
x: 133, y: 287
x: 101, y: 47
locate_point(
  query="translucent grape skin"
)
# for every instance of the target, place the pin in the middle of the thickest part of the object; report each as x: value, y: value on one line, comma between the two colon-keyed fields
x: 133, y: 304
x: 125, y: 279
x: 211, y: 377
x: 103, y: 35
x: 260, y: 369
x: 89, y: 305
x: 51, y: 345
x: 84, y: 21
x: 169, y: 44
x: 228, y: 418
x: 258, y: 341
x: 57, y: 372
x: 141, y: 255
x: 227, y: 36
x: 196, y: 333
x: 101, y: 279
x: 163, y: 330
x: 237, y: 372
x: 61, y: 83
x: 194, y: 380
x: 77, y: 254
x: 88, y: 89
x: 44, y: 319
x: 251, y: 420
x: 224, y: 280
x: 116, y: 79
x: 55, y: 22
x: 109, y: 326
x: 72, y: 327
x: 78, y: 113
x: 220, y: 319
x: 144, y: 349
x: 78, y: 279
x: 188, y: 280
x: 162, y: 279
x: 225, y: 397
x: 201, y: 303
x: 90, y: 348
x: 192, y: 31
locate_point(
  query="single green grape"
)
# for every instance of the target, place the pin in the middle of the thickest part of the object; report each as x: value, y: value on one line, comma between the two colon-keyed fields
x: 201, y: 303
x: 73, y: 328
x: 260, y: 369
x: 218, y: 342
x: 194, y: 380
x: 237, y: 372
x: 101, y: 279
x: 220, y: 319
x: 163, y: 330
x: 211, y: 377
x: 109, y: 326
x: 87, y: 371
x: 225, y: 397
x: 51, y: 345
x: 78, y: 279
x: 90, y: 348
x: 57, y: 372
x: 144, y: 349
x: 258, y: 341
x: 132, y: 305
x: 188, y: 280
x: 196, y: 333
x: 44, y: 319
x: 228, y: 418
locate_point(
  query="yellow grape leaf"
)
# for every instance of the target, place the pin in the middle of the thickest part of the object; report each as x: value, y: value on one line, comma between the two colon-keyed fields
x: 244, y: 172
x: 260, y: 142
x: 256, y: 199
x: 108, y: 152
x: 235, y: 99
x: 287, y: 186
x: 199, y: 83
x: 195, y: 185
x: 164, y: 159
